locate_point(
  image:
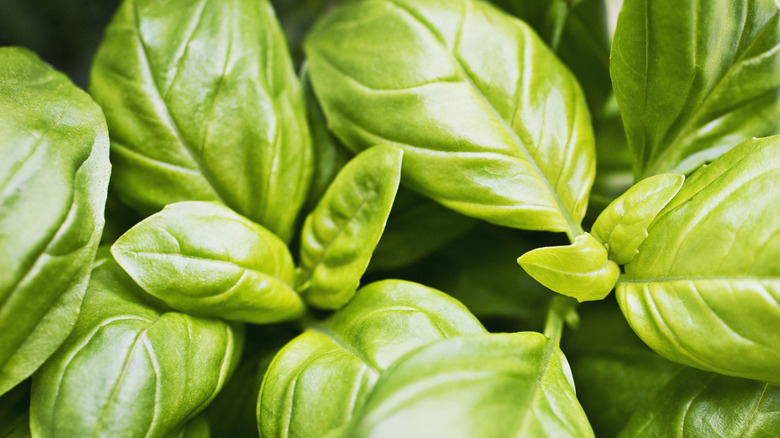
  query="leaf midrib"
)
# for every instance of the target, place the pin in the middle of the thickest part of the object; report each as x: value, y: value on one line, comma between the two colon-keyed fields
x: 573, y: 228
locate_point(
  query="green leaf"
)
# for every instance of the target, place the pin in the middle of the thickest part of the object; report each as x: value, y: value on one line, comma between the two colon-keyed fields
x: 198, y: 427
x: 341, y: 233
x: 316, y: 382
x: 415, y: 228
x: 131, y: 367
x: 502, y: 134
x: 54, y: 176
x: 496, y: 385
x: 15, y: 412
x: 705, y: 286
x: 580, y: 270
x: 695, y: 77
x: 622, y: 226
x: 699, y: 404
x: 203, y: 105
x: 204, y: 259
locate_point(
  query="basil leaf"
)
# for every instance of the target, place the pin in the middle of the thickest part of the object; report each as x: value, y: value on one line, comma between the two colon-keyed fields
x: 203, y: 105
x: 14, y: 412
x: 497, y: 385
x: 53, y: 180
x: 622, y: 226
x: 705, y: 285
x: 580, y: 270
x: 204, y: 259
x: 696, y: 403
x: 341, y: 233
x: 316, y: 382
x: 693, y: 78
x: 130, y: 367
x: 502, y: 135
x: 198, y: 427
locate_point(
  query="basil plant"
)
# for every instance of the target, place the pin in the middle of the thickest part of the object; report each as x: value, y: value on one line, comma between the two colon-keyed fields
x: 382, y: 218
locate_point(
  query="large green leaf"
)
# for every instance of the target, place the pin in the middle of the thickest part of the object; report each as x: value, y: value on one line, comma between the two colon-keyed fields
x: 341, y: 233
x: 497, y: 385
x: 203, y: 104
x: 204, y: 259
x: 131, y: 367
x: 699, y: 404
x: 695, y: 77
x: 53, y: 179
x: 491, y: 123
x: 705, y: 286
x: 317, y: 381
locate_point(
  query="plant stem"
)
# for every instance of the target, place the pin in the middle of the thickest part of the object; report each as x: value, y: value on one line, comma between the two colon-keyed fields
x: 560, y: 306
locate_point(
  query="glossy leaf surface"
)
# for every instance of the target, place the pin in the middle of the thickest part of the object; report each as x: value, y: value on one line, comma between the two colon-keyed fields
x: 341, y: 233
x: 622, y: 226
x: 705, y: 286
x: 316, y: 382
x: 580, y: 270
x: 54, y: 175
x: 491, y: 123
x: 698, y: 404
x: 695, y: 77
x: 131, y: 367
x: 204, y: 259
x: 203, y: 105
x: 495, y: 385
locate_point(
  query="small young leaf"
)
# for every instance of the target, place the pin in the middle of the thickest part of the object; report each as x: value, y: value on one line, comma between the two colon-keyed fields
x: 622, y: 226
x: 502, y: 135
x: 131, y: 367
x: 203, y: 104
x: 580, y: 270
x: 695, y: 77
x: 317, y: 381
x: 341, y: 233
x: 494, y: 385
x: 54, y: 172
x: 705, y: 286
x: 204, y: 259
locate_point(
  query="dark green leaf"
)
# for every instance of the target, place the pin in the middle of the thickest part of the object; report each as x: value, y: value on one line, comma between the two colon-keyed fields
x: 695, y: 77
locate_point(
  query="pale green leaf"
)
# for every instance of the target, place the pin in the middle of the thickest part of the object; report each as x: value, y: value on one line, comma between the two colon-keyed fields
x: 695, y: 77
x: 622, y: 226
x: 203, y: 105
x: 54, y: 172
x: 496, y: 385
x: 580, y: 270
x: 204, y: 259
x: 491, y: 123
x: 317, y: 381
x: 705, y: 286
x: 131, y: 367
x: 341, y: 233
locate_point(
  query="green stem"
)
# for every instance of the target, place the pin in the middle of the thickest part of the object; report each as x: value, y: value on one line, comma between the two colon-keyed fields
x: 555, y: 21
x: 556, y: 314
